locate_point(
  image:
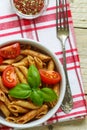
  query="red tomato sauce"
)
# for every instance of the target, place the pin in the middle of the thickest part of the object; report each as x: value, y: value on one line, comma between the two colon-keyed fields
x: 29, y: 7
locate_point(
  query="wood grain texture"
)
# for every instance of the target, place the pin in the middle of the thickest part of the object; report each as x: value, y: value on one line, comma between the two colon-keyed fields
x: 79, y: 12
x: 81, y: 38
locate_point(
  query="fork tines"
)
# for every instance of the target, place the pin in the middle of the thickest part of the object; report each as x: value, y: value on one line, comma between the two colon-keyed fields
x: 61, y: 14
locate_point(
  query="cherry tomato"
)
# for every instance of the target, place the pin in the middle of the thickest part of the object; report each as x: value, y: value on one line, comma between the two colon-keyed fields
x: 1, y: 60
x: 10, y: 51
x: 49, y: 77
x: 9, y: 77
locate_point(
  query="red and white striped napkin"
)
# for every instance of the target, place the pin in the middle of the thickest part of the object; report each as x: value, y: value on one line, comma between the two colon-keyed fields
x: 43, y: 29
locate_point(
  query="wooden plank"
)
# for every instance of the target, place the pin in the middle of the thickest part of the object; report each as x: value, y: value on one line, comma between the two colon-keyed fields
x: 79, y: 13
x: 81, y: 40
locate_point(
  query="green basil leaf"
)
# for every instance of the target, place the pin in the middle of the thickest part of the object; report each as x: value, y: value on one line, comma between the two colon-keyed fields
x: 36, y: 97
x: 33, y: 77
x: 21, y: 91
x: 48, y: 94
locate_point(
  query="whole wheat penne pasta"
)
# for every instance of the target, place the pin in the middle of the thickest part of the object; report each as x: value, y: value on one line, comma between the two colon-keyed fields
x: 39, y: 63
x: 5, y: 100
x: 2, y: 96
x: 2, y: 67
x: 40, y: 115
x: 51, y: 65
x: 2, y: 87
x: 44, y: 107
x: 25, y: 104
x: 10, y: 61
x: 17, y: 79
x: 12, y: 119
x: 20, y: 75
x: 18, y: 58
x: 4, y: 109
x: 27, y: 117
x: 43, y: 57
x: 42, y: 111
x: 23, y: 62
x: 31, y: 60
x: 17, y: 109
x: 56, y: 88
x: 24, y: 70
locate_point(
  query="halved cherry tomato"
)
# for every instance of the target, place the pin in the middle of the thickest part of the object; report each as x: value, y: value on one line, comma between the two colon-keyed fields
x: 1, y: 60
x: 49, y: 77
x: 9, y: 77
x: 10, y: 51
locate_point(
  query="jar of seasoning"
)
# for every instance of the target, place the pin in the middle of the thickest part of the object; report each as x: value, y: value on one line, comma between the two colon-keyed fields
x: 29, y: 9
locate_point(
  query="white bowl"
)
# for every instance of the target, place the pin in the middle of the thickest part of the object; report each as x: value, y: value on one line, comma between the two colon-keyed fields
x: 62, y: 86
x: 31, y: 16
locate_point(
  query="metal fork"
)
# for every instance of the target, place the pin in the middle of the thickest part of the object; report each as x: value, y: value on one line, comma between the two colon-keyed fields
x: 62, y: 30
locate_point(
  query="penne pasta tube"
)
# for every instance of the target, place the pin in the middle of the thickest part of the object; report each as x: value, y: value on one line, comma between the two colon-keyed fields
x: 20, y: 75
x: 2, y: 96
x: 2, y: 87
x: 18, y: 81
x: 42, y: 111
x: 4, y: 109
x: 31, y: 60
x: 43, y: 57
x: 56, y: 88
x: 51, y: 65
x: 10, y: 61
x: 23, y: 62
x: 12, y: 119
x: 18, y: 58
x: 44, y: 107
x: 38, y: 62
x: 5, y: 100
x: 2, y: 67
x: 25, y: 104
x: 17, y: 109
x: 24, y: 70
x: 27, y: 117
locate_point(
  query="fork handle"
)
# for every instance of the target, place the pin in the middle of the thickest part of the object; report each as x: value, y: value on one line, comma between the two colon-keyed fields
x: 67, y: 103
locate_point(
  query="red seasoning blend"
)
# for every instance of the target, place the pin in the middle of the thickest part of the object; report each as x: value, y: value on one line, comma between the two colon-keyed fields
x: 29, y: 7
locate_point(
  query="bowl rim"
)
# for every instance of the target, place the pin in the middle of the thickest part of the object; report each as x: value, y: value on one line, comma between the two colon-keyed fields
x: 56, y: 107
x: 29, y: 16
